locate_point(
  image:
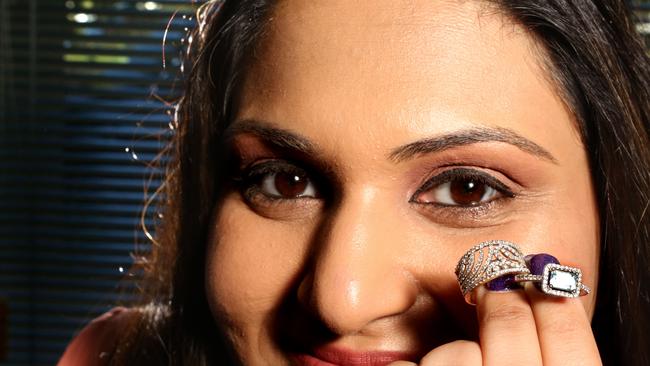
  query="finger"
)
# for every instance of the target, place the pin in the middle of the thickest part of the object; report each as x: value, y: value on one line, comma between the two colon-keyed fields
x: 564, y: 330
x: 402, y: 363
x: 457, y: 353
x: 507, y: 331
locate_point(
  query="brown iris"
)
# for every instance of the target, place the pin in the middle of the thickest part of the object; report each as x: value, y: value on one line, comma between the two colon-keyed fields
x: 467, y: 192
x: 290, y: 185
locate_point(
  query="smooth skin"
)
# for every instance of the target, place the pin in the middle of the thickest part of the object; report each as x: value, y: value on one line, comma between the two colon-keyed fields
x: 359, y: 253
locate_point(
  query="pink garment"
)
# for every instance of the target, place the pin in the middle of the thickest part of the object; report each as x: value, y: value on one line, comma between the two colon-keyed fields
x: 97, y: 341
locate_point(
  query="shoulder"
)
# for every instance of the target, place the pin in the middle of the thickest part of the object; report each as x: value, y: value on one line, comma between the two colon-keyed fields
x: 97, y: 341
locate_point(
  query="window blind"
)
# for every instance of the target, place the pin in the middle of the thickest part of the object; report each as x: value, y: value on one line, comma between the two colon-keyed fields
x: 82, y: 112
x: 641, y: 10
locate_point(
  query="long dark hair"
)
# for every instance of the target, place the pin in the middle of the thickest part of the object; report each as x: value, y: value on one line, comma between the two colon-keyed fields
x: 600, y: 68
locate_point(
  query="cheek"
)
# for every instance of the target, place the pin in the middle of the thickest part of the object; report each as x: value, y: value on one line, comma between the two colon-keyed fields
x: 577, y: 228
x: 251, y: 263
x: 561, y: 219
x: 566, y: 225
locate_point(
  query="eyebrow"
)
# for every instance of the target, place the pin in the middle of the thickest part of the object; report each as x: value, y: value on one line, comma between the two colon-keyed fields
x: 284, y: 139
x: 274, y: 136
x: 468, y: 137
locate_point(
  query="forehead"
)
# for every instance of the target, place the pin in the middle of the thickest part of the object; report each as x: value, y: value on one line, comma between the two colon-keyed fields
x: 399, y: 68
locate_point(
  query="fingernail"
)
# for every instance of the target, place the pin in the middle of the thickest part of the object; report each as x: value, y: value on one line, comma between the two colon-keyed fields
x: 503, y: 283
x: 536, y: 262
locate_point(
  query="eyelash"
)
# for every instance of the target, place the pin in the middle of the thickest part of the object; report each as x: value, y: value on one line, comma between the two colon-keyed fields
x: 249, y: 178
x: 459, y: 174
x: 464, y: 215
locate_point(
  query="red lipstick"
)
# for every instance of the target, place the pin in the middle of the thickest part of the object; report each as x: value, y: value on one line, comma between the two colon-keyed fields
x: 333, y: 356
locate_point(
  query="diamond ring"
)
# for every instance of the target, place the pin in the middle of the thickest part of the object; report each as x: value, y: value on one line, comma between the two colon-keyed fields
x: 487, y: 261
x: 553, y: 278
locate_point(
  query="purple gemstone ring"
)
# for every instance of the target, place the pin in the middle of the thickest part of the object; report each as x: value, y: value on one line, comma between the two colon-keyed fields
x: 487, y: 261
x: 553, y: 278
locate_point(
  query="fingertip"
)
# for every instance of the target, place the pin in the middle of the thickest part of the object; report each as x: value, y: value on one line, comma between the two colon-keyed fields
x: 402, y: 363
x: 460, y: 352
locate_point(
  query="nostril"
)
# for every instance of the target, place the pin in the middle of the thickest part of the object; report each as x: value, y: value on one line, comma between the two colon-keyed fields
x: 304, y: 291
x: 347, y: 300
x: 356, y: 273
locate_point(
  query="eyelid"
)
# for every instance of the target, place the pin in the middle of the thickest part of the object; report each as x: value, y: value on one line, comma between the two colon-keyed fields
x: 271, y: 166
x: 246, y: 178
x: 461, y: 172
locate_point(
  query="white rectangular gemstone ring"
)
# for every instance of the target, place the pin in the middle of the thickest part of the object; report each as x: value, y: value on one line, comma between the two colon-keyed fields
x: 558, y: 280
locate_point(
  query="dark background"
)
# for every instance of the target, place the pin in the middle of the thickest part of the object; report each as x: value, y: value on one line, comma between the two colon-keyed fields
x: 85, y: 107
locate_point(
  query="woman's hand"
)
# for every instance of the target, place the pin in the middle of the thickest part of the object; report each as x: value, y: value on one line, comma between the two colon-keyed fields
x: 522, y: 327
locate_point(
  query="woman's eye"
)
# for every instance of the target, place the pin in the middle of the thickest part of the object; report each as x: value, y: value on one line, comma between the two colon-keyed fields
x: 277, y: 180
x: 461, y: 187
x: 460, y: 193
x: 287, y: 185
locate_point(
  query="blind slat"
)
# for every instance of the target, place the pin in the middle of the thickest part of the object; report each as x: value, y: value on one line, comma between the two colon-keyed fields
x: 82, y: 114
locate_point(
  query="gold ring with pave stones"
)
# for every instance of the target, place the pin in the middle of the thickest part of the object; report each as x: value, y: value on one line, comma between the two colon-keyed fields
x: 486, y: 261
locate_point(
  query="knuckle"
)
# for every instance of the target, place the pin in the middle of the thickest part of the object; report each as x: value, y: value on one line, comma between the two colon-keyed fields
x: 564, y: 328
x: 508, y: 313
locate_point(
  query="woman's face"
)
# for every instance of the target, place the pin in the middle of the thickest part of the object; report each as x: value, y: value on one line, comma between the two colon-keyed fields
x: 376, y: 142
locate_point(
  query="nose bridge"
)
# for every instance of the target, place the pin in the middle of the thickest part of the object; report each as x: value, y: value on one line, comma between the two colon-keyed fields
x: 357, y: 276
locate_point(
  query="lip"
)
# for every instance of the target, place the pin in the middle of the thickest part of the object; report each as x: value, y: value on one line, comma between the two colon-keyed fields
x: 333, y: 356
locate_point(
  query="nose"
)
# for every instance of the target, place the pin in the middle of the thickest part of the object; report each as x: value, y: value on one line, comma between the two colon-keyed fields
x: 358, y: 274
